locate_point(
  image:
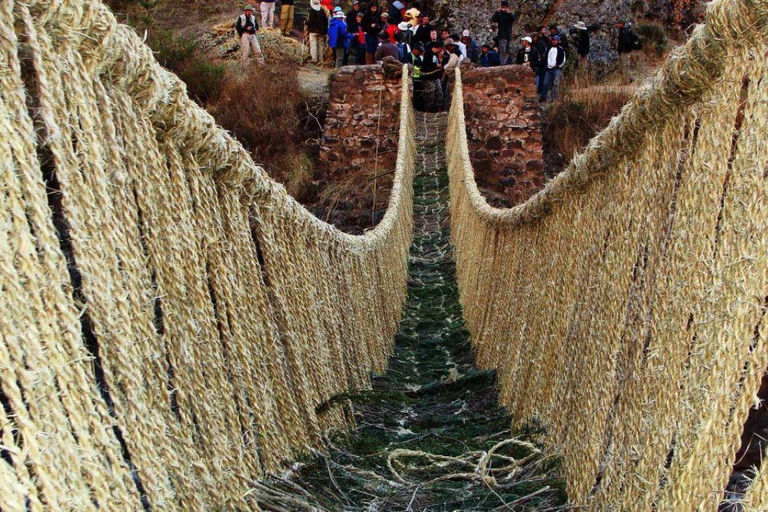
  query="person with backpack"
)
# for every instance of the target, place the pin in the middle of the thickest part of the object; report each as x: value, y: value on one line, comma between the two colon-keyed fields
x: 339, y: 37
x: 371, y: 26
x: 556, y: 60
x: 624, y: 45
x: 406, y: 29
x: 317, y: 26
x: 504, y: 20
x: 403, y: 49
x: 246, y: 27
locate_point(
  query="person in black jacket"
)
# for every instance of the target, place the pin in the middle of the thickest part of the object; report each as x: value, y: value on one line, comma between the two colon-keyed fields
x: 422, y: 32
x: 581, y: 38
x: 524, y: 54
x: 541, y: 45
x: 352, y: 24
x: 536, y: 57
x: 371, y: 26
x: 396, y: 12
x: 317, y: 26
x: 624, y: 45
x: 246, y: 27
x: 504, y: 20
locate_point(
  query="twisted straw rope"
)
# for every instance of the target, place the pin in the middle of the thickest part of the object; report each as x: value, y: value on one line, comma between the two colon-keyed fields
x: 213, y: 362
x: 623, y: 306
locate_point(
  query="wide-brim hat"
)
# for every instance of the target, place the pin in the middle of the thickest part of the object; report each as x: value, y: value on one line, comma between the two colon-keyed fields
x: 248, y: 7
x: 580, y: 25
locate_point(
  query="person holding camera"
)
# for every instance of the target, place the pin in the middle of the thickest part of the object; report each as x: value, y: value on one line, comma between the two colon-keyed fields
x: 246, y: 27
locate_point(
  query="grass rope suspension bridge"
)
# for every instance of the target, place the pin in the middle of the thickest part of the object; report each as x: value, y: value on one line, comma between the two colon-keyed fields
x: 175, y: 327
x: 430, y: 434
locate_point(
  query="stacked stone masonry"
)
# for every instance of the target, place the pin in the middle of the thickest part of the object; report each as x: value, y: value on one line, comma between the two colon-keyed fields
x: 504, y: 132
x: 362, y: 121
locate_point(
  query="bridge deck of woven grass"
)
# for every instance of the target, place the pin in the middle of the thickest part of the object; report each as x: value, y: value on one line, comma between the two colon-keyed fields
x: 430, y: 435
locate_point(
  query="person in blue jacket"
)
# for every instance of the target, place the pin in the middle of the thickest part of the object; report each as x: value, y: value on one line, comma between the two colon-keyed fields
x: 338, y: 36
x: 489, y: 57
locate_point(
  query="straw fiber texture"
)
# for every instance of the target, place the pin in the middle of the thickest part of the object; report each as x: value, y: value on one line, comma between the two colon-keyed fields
x: 170, y: 317
x: 624, y: 305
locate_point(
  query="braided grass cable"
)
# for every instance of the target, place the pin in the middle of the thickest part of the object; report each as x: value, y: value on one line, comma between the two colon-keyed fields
x: 210, y: 374
x: 628, y: 292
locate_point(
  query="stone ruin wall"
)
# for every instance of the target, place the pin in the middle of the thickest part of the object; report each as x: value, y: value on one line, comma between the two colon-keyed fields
x: 503, y: 129
x: 364, y: 108
x: 504, y: 132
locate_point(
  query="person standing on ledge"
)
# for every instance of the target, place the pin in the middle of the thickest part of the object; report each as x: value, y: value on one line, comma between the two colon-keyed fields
x: 555, y: 63
x: 504, y: 20
x: 267, y: 13
x: 317, y: 26
x: 286, y: 16
x: 246, y: 27
x: 339, y: 37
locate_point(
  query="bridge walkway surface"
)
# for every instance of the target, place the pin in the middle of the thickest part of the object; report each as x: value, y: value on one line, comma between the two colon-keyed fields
x: 430, y: 435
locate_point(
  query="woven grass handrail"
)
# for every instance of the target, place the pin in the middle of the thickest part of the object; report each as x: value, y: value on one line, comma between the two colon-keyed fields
x: 624, y: 305
x: 171, y: 318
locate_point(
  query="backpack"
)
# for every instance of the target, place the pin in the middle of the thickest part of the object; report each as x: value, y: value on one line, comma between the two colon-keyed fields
x: 635, y: 41
x: 402, y: 51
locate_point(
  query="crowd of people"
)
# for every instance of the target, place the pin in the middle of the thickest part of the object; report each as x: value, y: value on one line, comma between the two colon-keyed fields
x: 367, y: 34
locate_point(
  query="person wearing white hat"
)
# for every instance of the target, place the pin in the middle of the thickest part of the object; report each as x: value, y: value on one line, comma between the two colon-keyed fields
x: 338, y: 36
x: 524, y: 54
x: 405, y: 28
x: 317, y: 26
x: 246, y: 27
x: 580, y: 33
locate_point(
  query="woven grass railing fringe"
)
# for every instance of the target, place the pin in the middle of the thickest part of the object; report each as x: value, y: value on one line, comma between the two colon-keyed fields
x: 171, y: 318
x: 623, y: 306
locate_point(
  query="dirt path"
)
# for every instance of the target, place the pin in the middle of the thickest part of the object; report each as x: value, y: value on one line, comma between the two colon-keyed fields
x: 430, y: 435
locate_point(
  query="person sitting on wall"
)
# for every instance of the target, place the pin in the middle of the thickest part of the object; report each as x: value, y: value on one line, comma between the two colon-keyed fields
x: 246, y: 27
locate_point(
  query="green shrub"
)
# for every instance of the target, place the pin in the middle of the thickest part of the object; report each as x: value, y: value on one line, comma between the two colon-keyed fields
x: 653, y: 37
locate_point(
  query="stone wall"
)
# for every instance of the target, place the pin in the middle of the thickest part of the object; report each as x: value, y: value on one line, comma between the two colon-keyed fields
x: 364, y: 108
x: 504, y: 132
